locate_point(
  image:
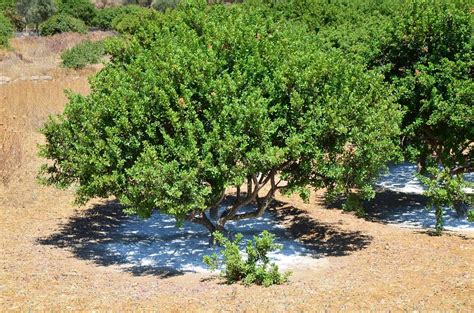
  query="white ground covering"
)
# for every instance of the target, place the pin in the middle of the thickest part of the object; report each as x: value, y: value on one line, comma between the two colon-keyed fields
x: 401, y: 178
x: 158, y: 243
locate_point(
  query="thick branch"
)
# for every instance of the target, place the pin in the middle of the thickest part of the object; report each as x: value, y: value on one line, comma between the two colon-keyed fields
x: 202, y: 219
x: 251, y: 196
x: 261, y: 206
x: 214, y: 208
x: 463, y: 169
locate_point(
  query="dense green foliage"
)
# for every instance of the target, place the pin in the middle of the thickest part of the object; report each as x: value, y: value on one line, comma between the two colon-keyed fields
x: 255, y: 268
x: 104, y: 17
x: 132, y: 19
x: 204, y: 98
x: 7, y: 5
x: 310, y: 91
x: 425, y: 50
x: 8, y: 9
x: 6, y: 30
x: 62, y: 23
x: 81, y: 9
x: 82, y: 54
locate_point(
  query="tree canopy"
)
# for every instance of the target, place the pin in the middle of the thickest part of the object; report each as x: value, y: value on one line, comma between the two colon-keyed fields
x: 205, y: 99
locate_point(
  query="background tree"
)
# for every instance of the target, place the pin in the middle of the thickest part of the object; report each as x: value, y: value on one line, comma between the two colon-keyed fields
x: 35, y: 11
x: 424, y: 49
x: 206, y: 100
x: 81, y: 9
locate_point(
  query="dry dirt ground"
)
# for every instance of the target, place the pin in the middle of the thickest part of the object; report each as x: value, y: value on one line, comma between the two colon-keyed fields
x: 366, y: 265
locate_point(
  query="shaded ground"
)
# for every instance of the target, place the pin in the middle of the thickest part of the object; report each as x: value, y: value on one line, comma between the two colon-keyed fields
x: 107, y: 237
x: 412, y: 210
x: 47, y: 263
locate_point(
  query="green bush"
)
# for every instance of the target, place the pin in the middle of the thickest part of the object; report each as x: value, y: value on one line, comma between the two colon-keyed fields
x: 444, y: 189
x: 470, y: 215
x: 81, y: 9
x: 6, y: 30
x: 131, y: 21
x: 8, y: 9
x: 104, y: 17
x: 255, y: 268
x: 425, y: 50
x: 82, y: 54
x: 62, y: 23
x: 7, y: 5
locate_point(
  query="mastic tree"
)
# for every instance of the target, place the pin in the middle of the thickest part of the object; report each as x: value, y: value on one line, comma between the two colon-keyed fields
x: 424, y: 48
x: 428, y: 55
x: 205, y: 101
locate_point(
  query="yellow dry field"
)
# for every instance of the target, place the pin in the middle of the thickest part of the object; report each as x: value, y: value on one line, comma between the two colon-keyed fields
x: 367, y: 265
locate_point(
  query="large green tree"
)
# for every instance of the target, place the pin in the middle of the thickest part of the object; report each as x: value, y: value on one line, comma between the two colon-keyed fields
x: 205, y: 101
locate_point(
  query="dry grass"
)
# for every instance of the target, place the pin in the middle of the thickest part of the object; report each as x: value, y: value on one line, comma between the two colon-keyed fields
x: 24, y: 106
x: 33, y: 56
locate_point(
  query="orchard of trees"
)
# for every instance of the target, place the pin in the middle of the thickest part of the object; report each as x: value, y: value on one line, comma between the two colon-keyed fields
x: 264, y: 96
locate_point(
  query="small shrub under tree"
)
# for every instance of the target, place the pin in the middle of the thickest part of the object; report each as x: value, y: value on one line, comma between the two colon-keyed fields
x: 255, y: 268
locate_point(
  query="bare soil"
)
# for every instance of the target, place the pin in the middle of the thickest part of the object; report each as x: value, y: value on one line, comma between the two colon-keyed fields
x: 365, y: 265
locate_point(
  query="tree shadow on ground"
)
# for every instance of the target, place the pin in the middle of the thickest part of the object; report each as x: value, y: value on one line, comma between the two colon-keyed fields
x: 87, y: 236
x: 106, y: 236
x: 325, y: 238
x: 407, y: 210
